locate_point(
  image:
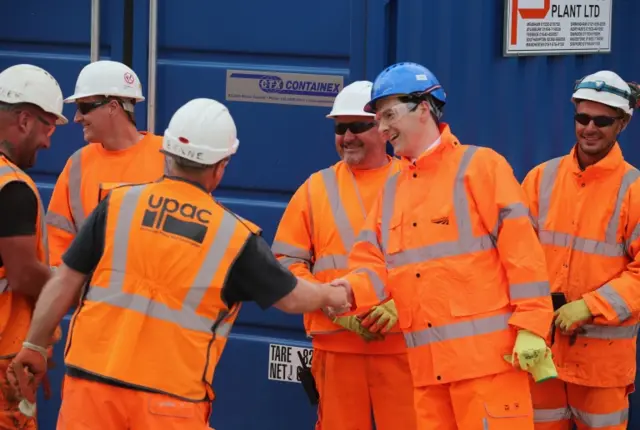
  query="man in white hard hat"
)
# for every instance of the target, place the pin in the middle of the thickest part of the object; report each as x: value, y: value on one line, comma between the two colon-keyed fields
x: 587, y: 209
x: 105, y: 95
x: 167, y: 268
x: 356, y: 373
x: 30, y: 110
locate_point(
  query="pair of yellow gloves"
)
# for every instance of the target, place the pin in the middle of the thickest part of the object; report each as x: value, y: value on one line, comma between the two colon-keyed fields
x: 378, y: 321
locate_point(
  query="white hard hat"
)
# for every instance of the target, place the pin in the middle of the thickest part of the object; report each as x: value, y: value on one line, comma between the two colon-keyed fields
x: 109, y: 79
x: 26, y: 83
x: 605, y: 87
x: 352, y: 99
x: 201, y: 131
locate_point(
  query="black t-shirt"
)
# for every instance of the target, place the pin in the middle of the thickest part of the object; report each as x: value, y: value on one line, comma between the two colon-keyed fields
x: 256, y: 275
x: 18, y: 211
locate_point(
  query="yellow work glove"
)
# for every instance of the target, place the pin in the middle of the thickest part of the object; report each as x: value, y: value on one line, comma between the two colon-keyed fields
x: 543, y: 370
x: 572, y: 313
x: 353, y: 324
x: 381, y: 318
x: 528, y: 350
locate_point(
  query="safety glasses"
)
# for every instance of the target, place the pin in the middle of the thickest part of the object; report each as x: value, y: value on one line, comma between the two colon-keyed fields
x: 355, y: 127
x: 86, y: 107
x: 50, y: 127
x: 395, y: 112
x: 599, y: 121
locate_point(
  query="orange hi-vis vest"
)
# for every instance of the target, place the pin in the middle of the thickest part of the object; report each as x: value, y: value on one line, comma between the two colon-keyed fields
x: 315, y: 236
x: 16, y: 308
x: 589, y: 225
x: 152, y: 316
x: 451, y: 238
x: 80, y: 185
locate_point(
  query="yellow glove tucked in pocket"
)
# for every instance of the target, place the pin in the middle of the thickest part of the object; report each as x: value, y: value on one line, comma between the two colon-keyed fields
x: 352, y: 323
x: 529, y: 349
x: 381, y: 318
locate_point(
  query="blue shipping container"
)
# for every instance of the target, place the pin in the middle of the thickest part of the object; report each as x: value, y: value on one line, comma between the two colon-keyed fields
x: 519, y: 106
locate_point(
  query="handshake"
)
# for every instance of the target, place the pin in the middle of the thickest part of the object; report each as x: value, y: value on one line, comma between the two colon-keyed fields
x: 371, y: 325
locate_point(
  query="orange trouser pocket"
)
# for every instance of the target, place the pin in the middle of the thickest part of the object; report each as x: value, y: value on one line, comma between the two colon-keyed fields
x: 558, y: 405
x: 495, y: 402
x: 95, y: 405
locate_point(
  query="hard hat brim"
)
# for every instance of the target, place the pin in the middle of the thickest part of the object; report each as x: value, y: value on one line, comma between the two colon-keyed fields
x: 334, y: 114
x: 73, y: 98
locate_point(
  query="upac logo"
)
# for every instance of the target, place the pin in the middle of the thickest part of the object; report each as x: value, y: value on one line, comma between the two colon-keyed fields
x: 175, y: 218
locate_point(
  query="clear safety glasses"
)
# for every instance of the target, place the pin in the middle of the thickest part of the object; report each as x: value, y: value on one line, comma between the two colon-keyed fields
x: 395, y: 113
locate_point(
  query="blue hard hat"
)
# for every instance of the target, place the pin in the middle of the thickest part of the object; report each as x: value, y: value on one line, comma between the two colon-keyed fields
x: 405, y: 79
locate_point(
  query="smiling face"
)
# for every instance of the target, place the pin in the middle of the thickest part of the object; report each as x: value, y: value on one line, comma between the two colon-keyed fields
x: 403, y: 124
x: 357, y: 141
x: 597, y: 127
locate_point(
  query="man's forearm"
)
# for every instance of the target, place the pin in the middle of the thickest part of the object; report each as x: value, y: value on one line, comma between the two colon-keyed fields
x: 53, y: 303
x: 31, y: 280
x: 305, y: 297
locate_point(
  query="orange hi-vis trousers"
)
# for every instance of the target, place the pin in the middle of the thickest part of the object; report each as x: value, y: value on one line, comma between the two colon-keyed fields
x: 352, y: 387
x: 495, y: 402
x: 95, y: 405
x: 558, y: 405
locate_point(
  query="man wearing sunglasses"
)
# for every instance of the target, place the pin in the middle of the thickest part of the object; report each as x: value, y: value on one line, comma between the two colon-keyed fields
x: 449, y: 239
x: 587, y: 208
x: 357, y: 373
x: 30, y: 109
x: 117, y: 153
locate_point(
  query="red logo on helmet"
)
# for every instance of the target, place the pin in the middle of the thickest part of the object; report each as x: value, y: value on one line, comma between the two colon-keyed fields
x: 183, y: 140
x: 128, y: 78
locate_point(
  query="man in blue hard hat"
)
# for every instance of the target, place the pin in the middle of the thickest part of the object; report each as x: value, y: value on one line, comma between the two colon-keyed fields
x: 450, y: 239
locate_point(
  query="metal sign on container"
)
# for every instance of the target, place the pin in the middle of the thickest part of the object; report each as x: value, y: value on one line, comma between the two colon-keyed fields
x: 557, y: 27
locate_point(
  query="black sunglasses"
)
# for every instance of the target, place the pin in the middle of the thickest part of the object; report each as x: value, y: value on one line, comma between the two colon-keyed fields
x: 354, y: 127
x: 599, y: 121
x: 86, y: 107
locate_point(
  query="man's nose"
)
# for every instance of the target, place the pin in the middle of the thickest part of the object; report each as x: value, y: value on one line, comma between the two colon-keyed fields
x: 78, y: 117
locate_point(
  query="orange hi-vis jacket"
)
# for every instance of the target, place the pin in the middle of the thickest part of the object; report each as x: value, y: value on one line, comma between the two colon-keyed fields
x: 16, y: 308
x: 589, y: 225
x: 153, y: 316
x: 314, y: 238
x: 451, y: 238
x: 77, y: 190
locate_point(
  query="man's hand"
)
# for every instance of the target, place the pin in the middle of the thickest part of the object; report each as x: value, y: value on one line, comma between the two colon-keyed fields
x: 571, y: 315
x: 340, y: 299
x: 381, y: 318
x: 24, y: 374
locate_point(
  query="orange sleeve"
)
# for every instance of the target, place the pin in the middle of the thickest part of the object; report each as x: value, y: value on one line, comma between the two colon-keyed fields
x: 292, y: 244
x: 530, y: 187
x: 503, y: 210
x: 60, y: 227
x: 367, y: 267
x: 619, y: 299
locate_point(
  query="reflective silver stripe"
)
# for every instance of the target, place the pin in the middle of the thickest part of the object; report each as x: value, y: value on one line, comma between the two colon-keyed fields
x: 551, y: 415
x: 458, y: 330
x: 4, y: 284
x: 609, y: 332
x: 588, y: 246
x: 529, y: 290
x: 288, y: 262
x: 185, y: 317
x: 615, y: 301
x: 340, y: 218
x: 629, y: 178
x: 548, y: 180
x: 75, y: 189
x: 635, y: 234
x: 595, y: 421
x: 6, y: 169
x: 224, y: 329
x: 330, y: 262
x: 376, y: 282
x: 59, y: 221
x: 370, y: 237
x: 388, y: 204
x: 290, y: 251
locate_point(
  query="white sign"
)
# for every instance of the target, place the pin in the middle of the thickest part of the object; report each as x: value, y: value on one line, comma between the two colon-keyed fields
x: 284, y: 362
x: 550, y: 27
x: 282, y: 88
